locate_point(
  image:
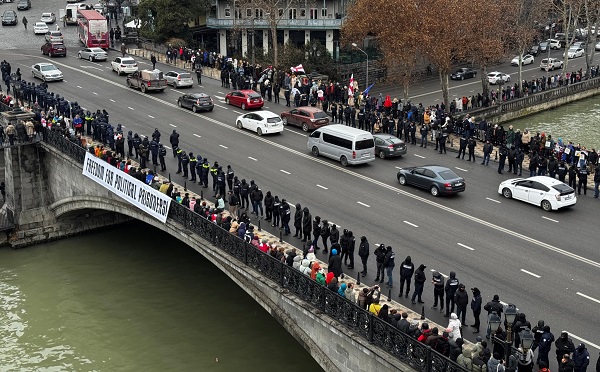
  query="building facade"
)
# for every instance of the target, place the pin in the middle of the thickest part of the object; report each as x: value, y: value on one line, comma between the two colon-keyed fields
x: 243, y: 24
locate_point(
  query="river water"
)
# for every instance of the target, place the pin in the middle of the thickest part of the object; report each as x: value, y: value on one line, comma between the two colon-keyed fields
x: 577, y: 122
x: 132, y: 299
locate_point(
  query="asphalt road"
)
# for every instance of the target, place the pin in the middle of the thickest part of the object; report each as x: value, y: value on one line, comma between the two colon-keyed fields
x: 545, y: 263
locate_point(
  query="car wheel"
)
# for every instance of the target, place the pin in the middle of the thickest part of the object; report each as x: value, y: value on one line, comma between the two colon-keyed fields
x: 315, y: 151
x: 382, y: 154
x: 305, y: 127
x: 143, y: 88
x: 79, y: 55
x: 546, y: 205
x: 210, y: 109
x: 239, y: 124
x: 179, y: 103
x: 51, y: 55
x: 508, y: 79
x: 462, y: 77
x: 243, y: 106
x: 91, y: 59
x: 259, y: 131
x: 32, y: 74
x: 507, y: 193
x: 227, y: 100
x: 284, y: 121
x: 402, y: 179
x: 194, y: 108
x: 434, y: 190
x: 344, y: 161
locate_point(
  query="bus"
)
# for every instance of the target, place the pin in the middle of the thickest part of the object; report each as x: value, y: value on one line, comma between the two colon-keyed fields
x: 92, y: 29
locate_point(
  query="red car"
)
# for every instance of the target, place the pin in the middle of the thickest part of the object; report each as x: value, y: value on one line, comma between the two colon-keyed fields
x: 54, y: 49
x: 246, y: 99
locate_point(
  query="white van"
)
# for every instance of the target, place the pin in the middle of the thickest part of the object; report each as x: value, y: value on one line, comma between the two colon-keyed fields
x: 346, y: 144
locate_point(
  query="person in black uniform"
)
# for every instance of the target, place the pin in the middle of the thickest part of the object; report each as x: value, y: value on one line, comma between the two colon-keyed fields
x: 193, y: 163
x: 573, y: 176
x: 582, y: 174
x: 185, y: 160
x: 162, y: 152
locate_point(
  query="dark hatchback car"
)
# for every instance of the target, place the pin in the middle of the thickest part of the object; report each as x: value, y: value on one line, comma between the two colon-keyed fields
x: 9, y: 17
x: 388, y: 146
x: 438, y: 180
x: 463, y: 73
x: 306, y: 117
x: 196, y: 102
x: 54, y: 49
x: 534, y: 50
x: 24, y: 5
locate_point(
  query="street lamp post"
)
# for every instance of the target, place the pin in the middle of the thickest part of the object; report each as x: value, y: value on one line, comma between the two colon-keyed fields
x: 510, y: 314
x: 526, y: 362
x: 356, y: 46
x: 253, y: 46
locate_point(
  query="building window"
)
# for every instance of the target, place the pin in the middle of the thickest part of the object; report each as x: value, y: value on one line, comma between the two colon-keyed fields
x: 323, y: 12
x: 258, y: 13
x: 227, y: 12
x: 292, y: 13
x: 314, y: 14
x: 238, y: 13
x: 302, y: 13
x: 280, y: 12
x: 248, y: 13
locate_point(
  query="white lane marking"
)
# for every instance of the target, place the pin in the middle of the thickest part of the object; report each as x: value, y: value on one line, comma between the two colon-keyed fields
x: 225, y: 147
x: 220, y: 97
x: 398, y: 167
x: 150, y: 116
x: 195, y: 135
x: 131, y: 108
x: 363, y: 204
x: 173, y: 125
x: 223, y: 107
x: 95, y: 93
x: 175, y: 90
x: 166, y: 147
x: 220, y: 92
x: 251, y: 158
x: 466, y: 246
x: 461, y: 169
x: 549, y: 219
x: 442, y: 274
x: 586, y: 342
x: 530, y: 273
x: 410, y: 223
x: 588, y: 297
x: 420, y: 156
x: 112, y: 100
x: 382, y: 184
x: 284, y: 171
x: 78, y: 87
x: 495, y: 201
x: 296, y: 133
x: 237, y: 112
x: 323, y: 187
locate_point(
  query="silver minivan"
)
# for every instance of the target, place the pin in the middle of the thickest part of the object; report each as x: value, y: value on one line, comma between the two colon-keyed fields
x: 346, y: 144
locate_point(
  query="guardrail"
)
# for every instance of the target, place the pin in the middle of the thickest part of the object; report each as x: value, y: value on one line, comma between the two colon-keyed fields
x: 376, y: 331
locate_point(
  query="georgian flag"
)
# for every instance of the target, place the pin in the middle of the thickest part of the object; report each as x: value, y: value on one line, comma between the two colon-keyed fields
x: 298, y: 68
x: 351, y: 86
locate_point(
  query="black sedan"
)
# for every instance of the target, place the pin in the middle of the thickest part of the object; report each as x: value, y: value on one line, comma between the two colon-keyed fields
x: 388, y: 146
x: 463, y: 73
x: 196, y: 102
x: 9, y: 17
x: 438, y: 180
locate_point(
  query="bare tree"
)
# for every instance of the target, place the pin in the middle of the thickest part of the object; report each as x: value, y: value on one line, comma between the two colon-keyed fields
x: 592, y: 11
x: 570, y: 11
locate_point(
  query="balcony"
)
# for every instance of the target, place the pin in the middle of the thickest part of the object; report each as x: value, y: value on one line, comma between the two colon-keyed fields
x: 290, y: 24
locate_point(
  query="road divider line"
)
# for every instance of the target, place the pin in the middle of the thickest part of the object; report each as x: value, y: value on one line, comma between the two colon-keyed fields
x: 442, y: 274
x: 398, y: 167
x: 95, y: 93
x: 363, y: 204
x: 549, y: 219
x: 237, y: 112
x: 323, y: 187
x: 166, y: 147
x: 284, y: 171
x: 223, y: 107
x: 112, y: 100
x: 461, y: 169
x: 420, y: 156
x: 131, y: 108
x: 530, y: 273
x: 219, y: 97
x: 175, y: 90
x: 173, y: 125
x: 196, y: 135
x: 294, y: 132
x: 225, y: 147
x: 410, y: 223
x: 79, y: 87
x: 588, y: 297
x: 586, y: 342
x: 251, y: 158
x: 495, y: 201
x: 150, y: 116
x: 466, y: 246
x: 220, y: 92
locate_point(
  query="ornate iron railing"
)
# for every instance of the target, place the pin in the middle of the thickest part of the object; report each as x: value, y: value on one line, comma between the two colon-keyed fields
x: 376, y: 331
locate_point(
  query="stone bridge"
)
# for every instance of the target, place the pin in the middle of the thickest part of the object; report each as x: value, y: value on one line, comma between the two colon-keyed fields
x: 51, y: 199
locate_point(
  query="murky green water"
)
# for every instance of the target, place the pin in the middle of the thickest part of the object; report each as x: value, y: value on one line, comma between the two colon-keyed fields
x: 578, y: 122
x: 132, y: 299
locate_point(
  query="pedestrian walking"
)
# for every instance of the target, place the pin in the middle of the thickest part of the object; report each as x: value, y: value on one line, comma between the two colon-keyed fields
x: 123, y: 49
x: 152, y: 59
x: 199, y: 75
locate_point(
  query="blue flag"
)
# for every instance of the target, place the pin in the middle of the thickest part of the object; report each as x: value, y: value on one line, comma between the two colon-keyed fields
x: 368, y: 89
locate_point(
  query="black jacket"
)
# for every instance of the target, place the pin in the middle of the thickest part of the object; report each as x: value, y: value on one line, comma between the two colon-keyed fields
x: 306, y: 221
x: 298, y: 217
x: 335, y: 265
x: 317, y: 227
x: 476, y: 302
x: 380, y: 254
x: 334, y: 235
x: 420, y: 275
x: 461, y: 297
x: 269, y: 201
x: 388, y: 260
x: 407, y: 269
x: 363, y: 248
x: 494, y: 306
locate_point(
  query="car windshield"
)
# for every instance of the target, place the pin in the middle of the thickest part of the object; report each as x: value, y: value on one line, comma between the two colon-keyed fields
x: 563, y: 189
x: 48, y: 68
x: 544, y: 43
x: 254, y: 95
x: 46, y: 15
x: 448, y: 175
x: 128, y: 61
x: 320, y: 115
x: 365, y: 144
x: 544, y: 60
x: 185, y: 76
x: 273, y: 120
x: 97, y: 50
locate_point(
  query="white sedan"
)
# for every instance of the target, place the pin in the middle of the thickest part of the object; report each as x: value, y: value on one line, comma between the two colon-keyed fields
x: 48, y: 18
x: 496, y: 76
x: 543, y: 191
x: 40, y: 28
x: 124, y: 65
x: 46, y: 72
x: 527, y: 59
x: 93, y: 54
x: 261, y: 122
x: 574, y: 52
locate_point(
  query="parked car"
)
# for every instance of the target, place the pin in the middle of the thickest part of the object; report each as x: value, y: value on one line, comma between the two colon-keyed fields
x: 546, y: 192
x: 196, y: 102
x: 54, y: 49
x: 46, y: 72
x: 463, y: 73
x: 246, y: 99
x: 555, y: 44
x: 388, y: 146
x: 597, y: 46
x: 261, y: 122
x: 527, y: 59
x: 534, y: 50
x: 550, y: 64
x: 574, y: 52
x: 305, y: 117
x: 179, y: 79
x: 124, y: 65
x: 544, y: 45
x: 9, y: 17
x: 579, y: 44
x: 497, y: 77
x: 24, y: 5
x: 54, y: 36
x: 93, y: 54
x: 48, y: 18
x: 40, y: 28
x: 437, y: 179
